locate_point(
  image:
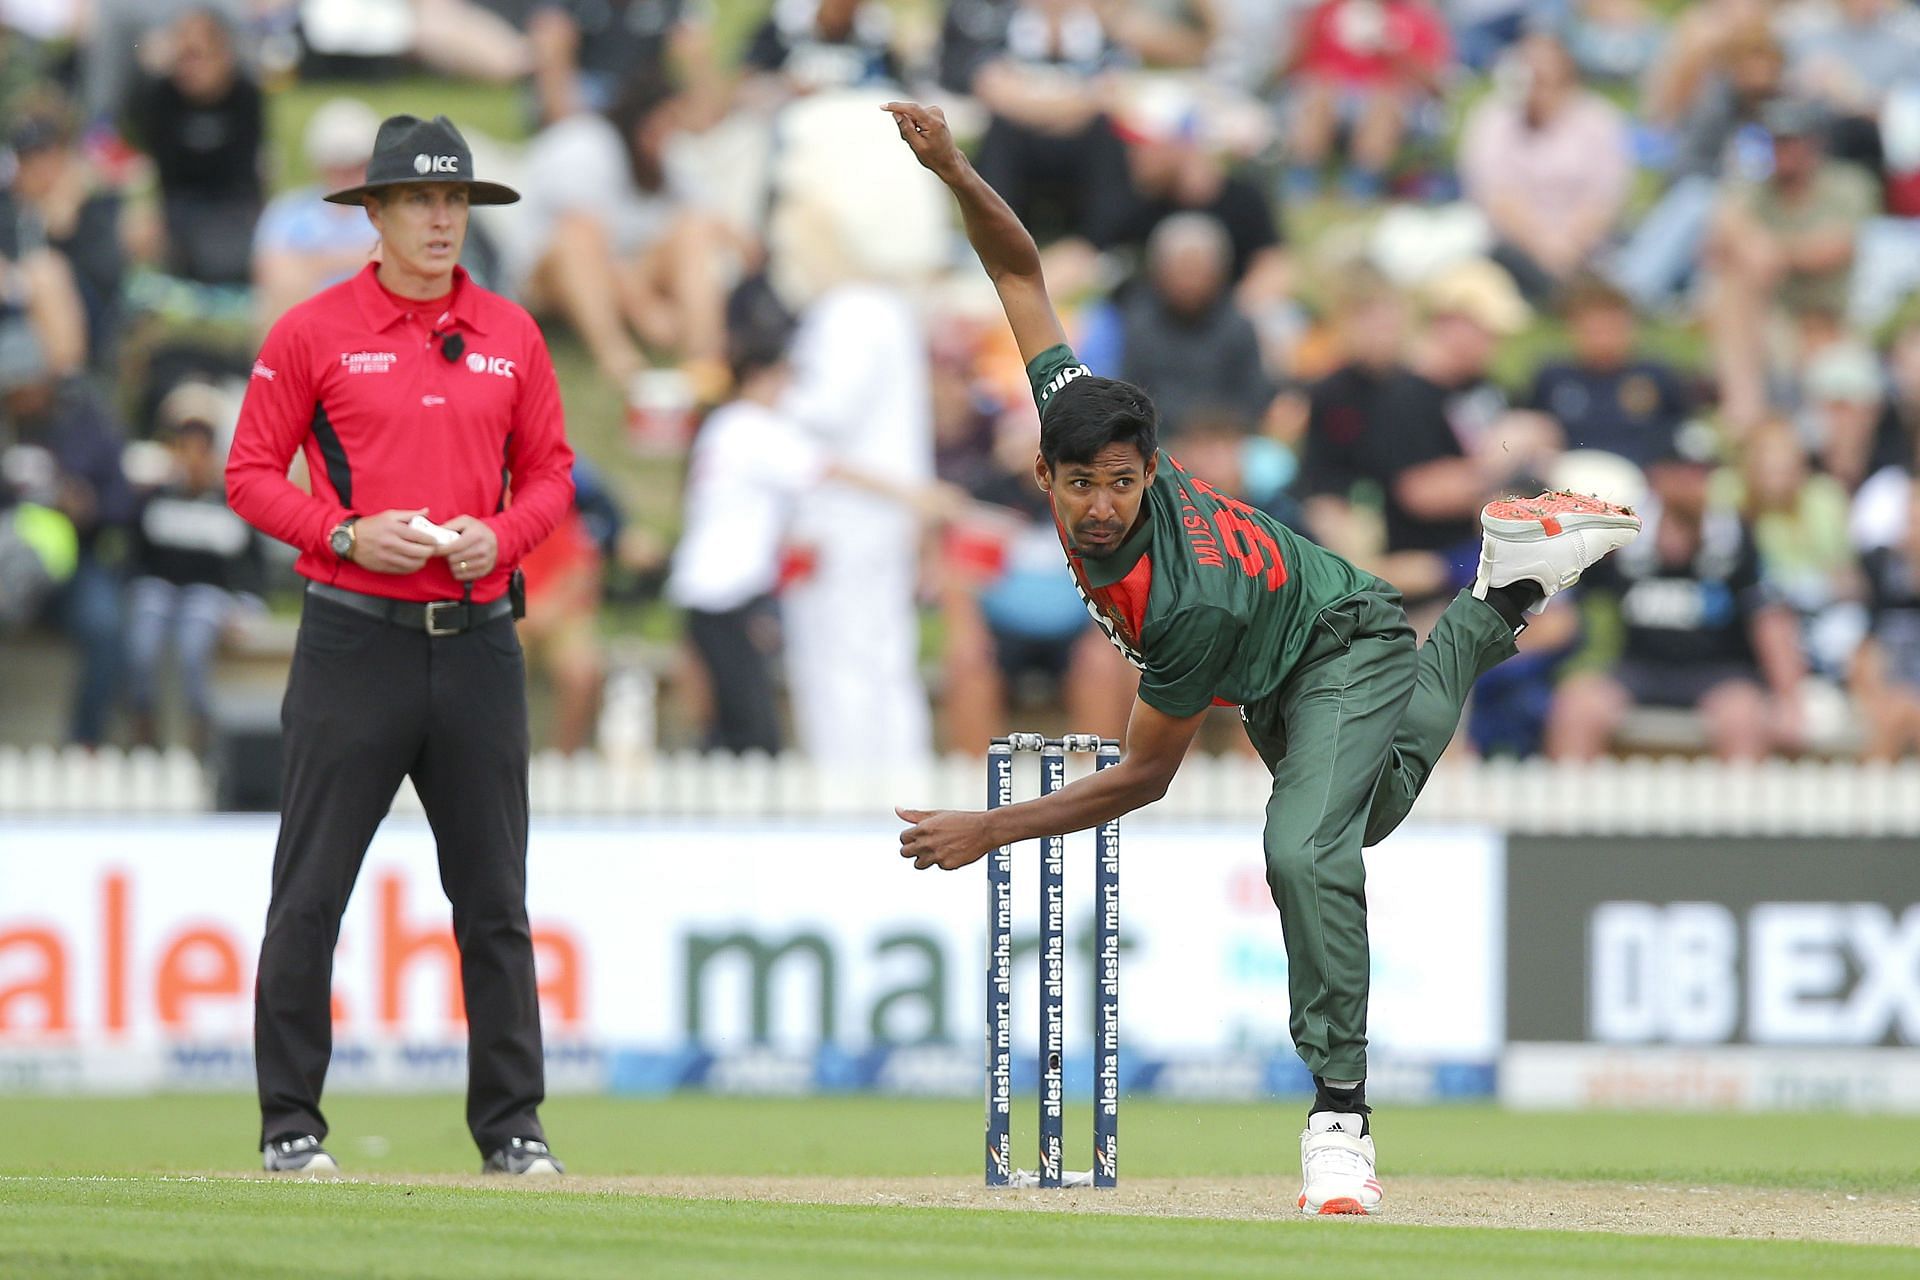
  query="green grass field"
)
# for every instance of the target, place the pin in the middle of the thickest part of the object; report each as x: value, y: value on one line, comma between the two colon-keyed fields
x: 97, y: 1187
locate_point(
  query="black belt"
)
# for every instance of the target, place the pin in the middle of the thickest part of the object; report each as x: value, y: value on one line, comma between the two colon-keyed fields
x: 435, y: 617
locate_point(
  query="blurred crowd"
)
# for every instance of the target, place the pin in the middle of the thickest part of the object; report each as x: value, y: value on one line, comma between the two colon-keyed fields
x: 1377, y: 262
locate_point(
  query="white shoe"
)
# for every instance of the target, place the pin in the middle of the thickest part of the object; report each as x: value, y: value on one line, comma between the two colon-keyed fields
x: 1551, y: 540
x: 1336, y: 1166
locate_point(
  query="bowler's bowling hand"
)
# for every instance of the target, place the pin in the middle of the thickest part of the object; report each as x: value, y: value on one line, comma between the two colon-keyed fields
x: 925, y: 130
x: 944, y: 838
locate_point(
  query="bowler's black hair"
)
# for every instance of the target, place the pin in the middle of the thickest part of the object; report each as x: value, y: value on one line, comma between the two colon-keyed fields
x: 1088, y: 414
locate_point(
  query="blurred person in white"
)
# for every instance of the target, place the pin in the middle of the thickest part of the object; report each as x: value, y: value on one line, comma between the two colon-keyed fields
x: 1550, y: 163
x: 857, y: 228
x: 303, y: 243
x: 1044, y: 70
x: 1720, y: 136
x: 586, y: 51
x: 751, y: 467
x: 1183, y: 338
x: 203, y: 120
x: 612, y: 240
x: 1849, y: 55
x: 1701, y: 627
x: 1779, y: 254
x: 1369, y: 70
x: 196, y: 566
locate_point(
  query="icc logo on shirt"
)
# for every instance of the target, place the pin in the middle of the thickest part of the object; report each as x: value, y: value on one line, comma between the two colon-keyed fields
x: 499, y: 365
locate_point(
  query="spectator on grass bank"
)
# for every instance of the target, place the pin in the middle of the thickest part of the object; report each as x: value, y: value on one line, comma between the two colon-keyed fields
x: 1849, y: 56
x: 1799, y: 521
x: 1844, y: 419
x: 1550, y: 163
x: 1042, y: 70
x: 1783, y: 246
x: 1720, y: 136
x: 1435, y: 443
x: 195, y: 567
x: 62, y: 451
x: 1183, y: 338
x: 202, y: 120
x: 61, y: 229
x: 1366, y: 70
x: 1605, y: 395
x: 586, y: 51
x: 612, y: 241
x: 1702, y: 630
x: 304, y: 244
x: 1698, y: 42
x: 805, y: 46
x: 1370, y: 333
x: 1885, y: 676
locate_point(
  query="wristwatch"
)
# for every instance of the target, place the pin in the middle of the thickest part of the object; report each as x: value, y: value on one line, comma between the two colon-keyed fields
x: 341, y: 539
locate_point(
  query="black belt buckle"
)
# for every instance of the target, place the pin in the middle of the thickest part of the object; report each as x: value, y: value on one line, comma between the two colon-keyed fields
x: 433, y: 617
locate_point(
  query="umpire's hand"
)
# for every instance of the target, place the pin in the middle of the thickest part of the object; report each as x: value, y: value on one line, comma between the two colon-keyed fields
x: 384, y: 544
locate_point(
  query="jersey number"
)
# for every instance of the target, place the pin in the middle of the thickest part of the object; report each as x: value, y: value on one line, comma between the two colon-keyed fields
x: 1246, y: 540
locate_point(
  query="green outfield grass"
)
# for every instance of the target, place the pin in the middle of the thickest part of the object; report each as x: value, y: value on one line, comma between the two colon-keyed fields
x: 100, y: 1187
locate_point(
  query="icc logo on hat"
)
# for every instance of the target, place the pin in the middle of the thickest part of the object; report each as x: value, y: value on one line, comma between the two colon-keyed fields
x: 423, y: 163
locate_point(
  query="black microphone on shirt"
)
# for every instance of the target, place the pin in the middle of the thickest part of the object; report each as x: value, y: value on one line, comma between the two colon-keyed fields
x: 451, y: 345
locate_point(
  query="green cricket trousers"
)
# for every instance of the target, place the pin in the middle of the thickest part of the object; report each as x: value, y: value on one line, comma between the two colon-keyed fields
x: 1369, y: 713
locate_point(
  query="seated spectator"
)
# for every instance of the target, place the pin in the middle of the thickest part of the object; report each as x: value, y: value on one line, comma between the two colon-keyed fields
x: 1605, y: 396
x: 1175, y: 168
x: 62, y: 451
x: 1010, y: 619
x: 303, y: 244
x: 1720, y: 136
x: 609, y: 240
x: 1364, y: 68
x: 202, y: 121
x: 1040, y: 68
x: 1886, y: 670
x: 1435, y: 443
x: 809, y: 45
x: 1550, y: 163
x: 1701, y: 628
x: 62, y: 229
x: 1182, y: 337
x: 1849, y: 58
x: 195, y: 566
x: 1614, y: 41
x: 1844, y: 418
x: 1785, y: 243
x: 1697, y: 44
x: 586, y: 51
x: 1370, y: 334
x: 1169, y: 33
x: 1799, y: 522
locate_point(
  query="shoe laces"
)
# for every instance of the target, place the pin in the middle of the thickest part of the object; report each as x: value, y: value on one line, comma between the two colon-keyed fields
x: 1337, y: 1159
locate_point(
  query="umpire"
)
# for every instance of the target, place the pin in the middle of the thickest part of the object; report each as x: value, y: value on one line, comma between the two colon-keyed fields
x: 412, y: 392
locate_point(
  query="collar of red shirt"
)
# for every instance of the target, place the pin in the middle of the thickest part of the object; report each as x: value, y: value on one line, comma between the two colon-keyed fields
x: 380, y: 311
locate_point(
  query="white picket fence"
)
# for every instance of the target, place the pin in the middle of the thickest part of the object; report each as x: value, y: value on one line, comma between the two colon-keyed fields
x: 1628, y: 797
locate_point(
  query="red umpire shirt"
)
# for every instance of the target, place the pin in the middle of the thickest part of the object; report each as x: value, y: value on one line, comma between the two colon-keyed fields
x: 451, y: 406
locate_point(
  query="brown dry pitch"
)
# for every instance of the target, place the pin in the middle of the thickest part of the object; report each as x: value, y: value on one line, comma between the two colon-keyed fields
x: 1623, y: 1208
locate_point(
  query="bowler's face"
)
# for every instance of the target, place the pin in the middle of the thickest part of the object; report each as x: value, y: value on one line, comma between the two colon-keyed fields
x: 1098, y: 501
x: 422, y: 226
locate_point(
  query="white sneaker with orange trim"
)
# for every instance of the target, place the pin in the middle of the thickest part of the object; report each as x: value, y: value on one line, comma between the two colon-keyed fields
x: 1550, y: 540
x: 1336, y: 1166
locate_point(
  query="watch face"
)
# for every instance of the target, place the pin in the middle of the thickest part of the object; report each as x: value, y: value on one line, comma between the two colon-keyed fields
x: 342, y: 542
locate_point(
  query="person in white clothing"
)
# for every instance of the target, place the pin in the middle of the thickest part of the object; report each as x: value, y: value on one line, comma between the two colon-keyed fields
x: 753, y: 469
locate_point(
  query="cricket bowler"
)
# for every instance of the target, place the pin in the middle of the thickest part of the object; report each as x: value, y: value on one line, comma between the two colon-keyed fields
x: 1217, y: 603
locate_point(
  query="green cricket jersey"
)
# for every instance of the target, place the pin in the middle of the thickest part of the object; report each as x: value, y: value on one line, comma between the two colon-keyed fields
x: 1212, y: 599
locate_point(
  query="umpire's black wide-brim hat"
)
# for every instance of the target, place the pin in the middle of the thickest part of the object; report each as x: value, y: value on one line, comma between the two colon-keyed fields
x: 408, y: 149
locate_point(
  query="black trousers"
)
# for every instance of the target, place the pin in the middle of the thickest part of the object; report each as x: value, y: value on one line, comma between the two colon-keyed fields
x: 368, y: 704
x: 738, y: 648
